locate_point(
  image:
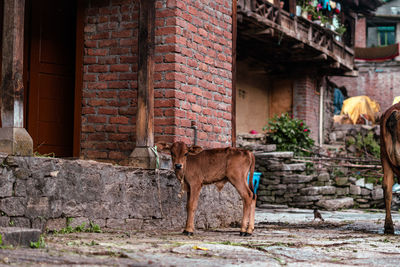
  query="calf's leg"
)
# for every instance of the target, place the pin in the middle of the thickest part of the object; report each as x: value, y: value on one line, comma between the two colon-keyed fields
x: 246, y: 195
x: 252, y: 215
x: 387, y: 192
x: 191, y: 206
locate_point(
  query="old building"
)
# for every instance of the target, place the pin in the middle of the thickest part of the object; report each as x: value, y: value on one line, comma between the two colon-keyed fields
x: 377, y: 61
x: 99, y: 79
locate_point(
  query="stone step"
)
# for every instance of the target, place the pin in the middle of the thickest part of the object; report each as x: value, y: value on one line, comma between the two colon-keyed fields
x: 16, y: 236
x: 280, y: 154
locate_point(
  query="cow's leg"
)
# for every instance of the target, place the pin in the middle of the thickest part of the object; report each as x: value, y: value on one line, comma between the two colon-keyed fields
x: 387, y: 192
x: 193, y: 198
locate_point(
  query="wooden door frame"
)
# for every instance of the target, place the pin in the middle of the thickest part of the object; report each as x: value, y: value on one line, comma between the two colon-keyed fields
x: 79, y: 54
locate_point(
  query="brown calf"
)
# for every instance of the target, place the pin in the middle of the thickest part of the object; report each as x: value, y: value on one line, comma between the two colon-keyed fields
x: 196, y: 167
x: 390, y: 157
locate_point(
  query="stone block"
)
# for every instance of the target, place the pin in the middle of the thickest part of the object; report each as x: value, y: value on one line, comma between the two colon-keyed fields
x: 335, y: 204
x: 288, y: 167
x: 365, y: 192
x: 355, y: 190
x: 360, y: 182
x: 6, y: 183
x: 302, y: 204
x: 278, y: 192
x: 134, y: 224
x: 364, y: 206
x: 278, y: 154
x: 324, y: 177
x: 341, y: 181
x: 377, y: 193
x: 277, y: 187
x: 307, y: 198
x: 369, y: 186
x: 20, y: 222
x: 318, y: 190
x: 297, y: 179
x: 4, y: 221
x: 342, y: 191
x: 268, y: 199
x: 268, y: 180
x: 17, y: 236
x: 56, y: 224
x: 362, y: 200
x: 13, y: 206
x: 352, y: 180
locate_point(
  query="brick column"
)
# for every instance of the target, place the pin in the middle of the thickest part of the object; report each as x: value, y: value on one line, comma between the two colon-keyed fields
x: 306, y: 103
x: 14, y: 139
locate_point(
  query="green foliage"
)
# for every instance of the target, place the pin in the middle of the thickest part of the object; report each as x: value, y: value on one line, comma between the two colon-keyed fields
x: 39, y: 244
x: 1, y: 239
x: 368, y: 144
x: 93, y: 228
x: 289, y: 134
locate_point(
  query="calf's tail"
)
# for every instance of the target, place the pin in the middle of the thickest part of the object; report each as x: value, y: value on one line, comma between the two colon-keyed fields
x: 252, y: 166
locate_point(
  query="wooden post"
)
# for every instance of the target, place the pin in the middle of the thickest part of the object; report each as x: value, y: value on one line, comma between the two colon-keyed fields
x: 143, y: 156
x: 14, y: 139
x: 234, y: 40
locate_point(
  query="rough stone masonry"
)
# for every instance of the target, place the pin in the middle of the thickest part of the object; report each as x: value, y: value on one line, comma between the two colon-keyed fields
x: 44, y: 192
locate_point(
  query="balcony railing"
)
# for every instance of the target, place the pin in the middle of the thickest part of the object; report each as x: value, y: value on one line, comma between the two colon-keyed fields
x: 303, y: 30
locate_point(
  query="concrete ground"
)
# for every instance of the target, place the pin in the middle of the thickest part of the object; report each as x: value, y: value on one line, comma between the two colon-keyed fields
x: 282, y: 237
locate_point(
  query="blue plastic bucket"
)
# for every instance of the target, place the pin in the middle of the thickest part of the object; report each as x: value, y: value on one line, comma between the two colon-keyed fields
x: 256, y: 180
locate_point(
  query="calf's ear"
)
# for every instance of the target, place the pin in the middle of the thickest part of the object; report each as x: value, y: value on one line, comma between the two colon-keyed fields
x: 193, y: 150
x: 161, y: 146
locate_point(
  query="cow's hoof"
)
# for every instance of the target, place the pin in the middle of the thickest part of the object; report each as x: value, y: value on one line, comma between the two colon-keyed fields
x: 187, y: 233
x: 244, y: 234
x: 389, y: 231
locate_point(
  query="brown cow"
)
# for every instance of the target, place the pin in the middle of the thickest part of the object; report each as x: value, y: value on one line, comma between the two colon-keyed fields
x: 196, y: 167
x: 390, y: 157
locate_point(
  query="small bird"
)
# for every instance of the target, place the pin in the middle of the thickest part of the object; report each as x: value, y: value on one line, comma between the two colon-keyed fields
x: 317, y: 215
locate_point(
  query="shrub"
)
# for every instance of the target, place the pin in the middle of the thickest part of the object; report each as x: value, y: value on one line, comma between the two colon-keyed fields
x: 289, y: 134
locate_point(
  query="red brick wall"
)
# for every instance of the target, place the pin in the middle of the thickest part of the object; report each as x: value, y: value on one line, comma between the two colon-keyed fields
x: 192, y: 74
x: 306, y: 103
x: 194, y: 59
x: 361, y: 34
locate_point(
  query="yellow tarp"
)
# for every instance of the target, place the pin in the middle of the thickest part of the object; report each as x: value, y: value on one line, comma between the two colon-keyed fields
x: 360, y: 105
x: 396, y: 100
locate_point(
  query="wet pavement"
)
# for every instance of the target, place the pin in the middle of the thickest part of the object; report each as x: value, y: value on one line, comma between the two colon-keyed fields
x: 287, y: 237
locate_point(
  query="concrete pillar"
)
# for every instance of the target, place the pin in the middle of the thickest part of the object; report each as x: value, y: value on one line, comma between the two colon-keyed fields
x: 14, y: 139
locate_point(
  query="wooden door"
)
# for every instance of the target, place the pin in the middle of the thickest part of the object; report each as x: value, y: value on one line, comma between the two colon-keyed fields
x: 52, y: 29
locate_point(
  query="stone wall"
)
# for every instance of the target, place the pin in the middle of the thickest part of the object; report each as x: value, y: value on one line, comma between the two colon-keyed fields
x: 286, y: 181
x: 43, y: 192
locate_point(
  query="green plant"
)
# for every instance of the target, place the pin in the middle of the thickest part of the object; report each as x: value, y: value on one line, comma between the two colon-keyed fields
x: 289, y: 134
x: 341, y: 29
x: 38, y: 244
x: 368, y: 144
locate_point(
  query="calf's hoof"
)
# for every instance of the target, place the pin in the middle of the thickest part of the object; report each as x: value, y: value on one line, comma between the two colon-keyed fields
x: 244, y: 234
x: 187, y: 233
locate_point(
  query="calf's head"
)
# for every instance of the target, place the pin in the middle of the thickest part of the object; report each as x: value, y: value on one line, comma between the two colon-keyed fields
x: 179, y: 152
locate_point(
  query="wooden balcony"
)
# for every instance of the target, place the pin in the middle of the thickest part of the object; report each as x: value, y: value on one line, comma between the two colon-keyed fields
x: 287, y: 42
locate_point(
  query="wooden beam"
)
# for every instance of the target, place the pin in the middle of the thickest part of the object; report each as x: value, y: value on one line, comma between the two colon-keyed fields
x: 143, y: 156
x: 14, y: 139
x: 145, y: 110
x: 12, y: 89
x: 234, y: 48
x: 298, y: 46
x: 268, y: 31
x: 80, y: 24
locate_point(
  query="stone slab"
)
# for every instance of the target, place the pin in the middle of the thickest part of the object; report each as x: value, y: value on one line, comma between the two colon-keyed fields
x: 15, y: 236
